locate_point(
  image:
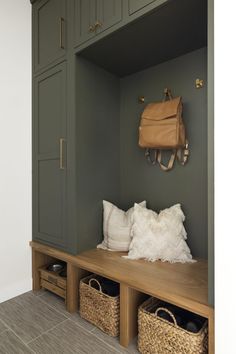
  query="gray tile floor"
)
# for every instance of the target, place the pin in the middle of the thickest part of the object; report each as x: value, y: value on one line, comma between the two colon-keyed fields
x: 39, y: 323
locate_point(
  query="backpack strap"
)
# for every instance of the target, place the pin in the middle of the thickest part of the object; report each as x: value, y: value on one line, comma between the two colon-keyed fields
x: 167, y: 94
x: 170, y: 163
x: 183, y: 154
x: 148, y: 156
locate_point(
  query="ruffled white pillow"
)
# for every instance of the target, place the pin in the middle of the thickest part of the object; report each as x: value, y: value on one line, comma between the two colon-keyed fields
x: 117, y: 226
x: 159, y: 236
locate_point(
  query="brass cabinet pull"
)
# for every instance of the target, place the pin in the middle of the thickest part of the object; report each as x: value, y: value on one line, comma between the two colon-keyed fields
x: 92, y: 28
x: 61, y: 142
x: 61, y: 21
x: 98, y: 24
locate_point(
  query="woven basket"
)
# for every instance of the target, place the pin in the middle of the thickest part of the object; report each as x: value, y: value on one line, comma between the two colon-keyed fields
x: 157, y: 335
x: 98, y: 308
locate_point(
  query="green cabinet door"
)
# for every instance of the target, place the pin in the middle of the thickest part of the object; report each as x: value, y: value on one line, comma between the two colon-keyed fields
x: 135, y: 5
x: 109, y: 12
x: 49, y: 157
x: 49, y: 32
x: 85, y: 17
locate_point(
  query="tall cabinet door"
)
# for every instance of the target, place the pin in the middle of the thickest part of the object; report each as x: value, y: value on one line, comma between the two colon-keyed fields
x: 49, y: 157
x: 85, y: 17
x: 49, y: 31
x: 109, y: 12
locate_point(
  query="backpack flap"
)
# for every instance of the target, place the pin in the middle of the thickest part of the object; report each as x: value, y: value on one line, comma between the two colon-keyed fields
x: 161, y: 110
x: 161, y: 125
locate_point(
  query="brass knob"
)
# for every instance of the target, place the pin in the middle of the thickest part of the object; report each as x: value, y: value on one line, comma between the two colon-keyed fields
x: 98, y: 24
x: 92, y: 28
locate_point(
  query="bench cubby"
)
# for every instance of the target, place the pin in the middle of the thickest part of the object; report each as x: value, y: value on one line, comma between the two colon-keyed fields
x: 183, y: 285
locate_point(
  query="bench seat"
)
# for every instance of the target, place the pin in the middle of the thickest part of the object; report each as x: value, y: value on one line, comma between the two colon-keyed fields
x: 184, y: 285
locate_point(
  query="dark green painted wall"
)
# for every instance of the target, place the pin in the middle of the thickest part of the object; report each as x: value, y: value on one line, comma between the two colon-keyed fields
x: 98, y: 170
x: 186, y: 185
x: 110, y: 163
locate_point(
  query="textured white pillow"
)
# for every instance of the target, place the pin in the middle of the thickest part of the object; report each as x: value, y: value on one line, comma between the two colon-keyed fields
x: 117, y: 226
x: 159, y: 236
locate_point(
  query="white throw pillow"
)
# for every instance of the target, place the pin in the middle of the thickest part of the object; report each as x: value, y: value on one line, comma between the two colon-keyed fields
x: 117, y: 226
x: 159, y: 236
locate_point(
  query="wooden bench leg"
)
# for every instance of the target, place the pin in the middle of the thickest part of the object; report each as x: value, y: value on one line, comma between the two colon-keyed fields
x: 38, y: 260
x: 72, y: 288
x: 74, y: 274
x: 130, y: 300
x: 211, y: 331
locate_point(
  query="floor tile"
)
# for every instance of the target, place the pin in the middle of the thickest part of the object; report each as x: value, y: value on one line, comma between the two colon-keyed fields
x: 27, y: 317
x: 114, y: 342
x: 11, y: 344
x: 2, y: 327
x: 38, y: 292
x: 59, y: 304
x: 69, y: 338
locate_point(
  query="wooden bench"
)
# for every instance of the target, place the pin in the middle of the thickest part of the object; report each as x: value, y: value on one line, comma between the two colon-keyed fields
x: 184, y: 285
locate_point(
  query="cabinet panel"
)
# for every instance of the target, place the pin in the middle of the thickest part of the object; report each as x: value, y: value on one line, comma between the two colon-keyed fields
x: 49, y: 179
x: 135, y: 5
x: 50, y: 203
x: 49, y: 121
x: 85, y: 17
x: 49, y: 31
x: 109, y: 12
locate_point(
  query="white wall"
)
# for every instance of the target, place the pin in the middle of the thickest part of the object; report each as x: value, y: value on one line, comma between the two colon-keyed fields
x: 15, y: 147
x: 225, y: 177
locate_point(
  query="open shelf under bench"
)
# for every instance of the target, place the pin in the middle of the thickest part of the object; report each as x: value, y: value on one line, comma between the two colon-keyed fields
x: 184, y: 285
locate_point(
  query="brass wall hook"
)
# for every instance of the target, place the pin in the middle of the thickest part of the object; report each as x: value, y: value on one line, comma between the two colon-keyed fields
x: 199, y: 83
x: 141, y: 99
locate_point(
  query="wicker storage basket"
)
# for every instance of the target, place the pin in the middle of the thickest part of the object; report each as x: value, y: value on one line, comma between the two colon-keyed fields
x: 98, y: 308
x: 159, y: 336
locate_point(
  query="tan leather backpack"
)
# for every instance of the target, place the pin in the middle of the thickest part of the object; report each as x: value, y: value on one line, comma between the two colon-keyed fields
x: 162, y: 128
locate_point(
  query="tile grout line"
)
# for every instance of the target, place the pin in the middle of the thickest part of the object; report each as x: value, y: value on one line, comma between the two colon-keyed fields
x: 43, y: 292
x: 53, y: 308
x: 69, y: 318
x: 4, y: 331
x: 81, y: 326
x: 108, y: 344
x: 50, y: 329
x: 26, y: 343
x: 11, y: 330
x: 77, y: 324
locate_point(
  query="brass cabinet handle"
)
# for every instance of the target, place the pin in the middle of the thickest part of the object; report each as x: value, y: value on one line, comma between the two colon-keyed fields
x: 61, y: 143
x: 92, y: 28
x: 61, y: 21
x: 98, y: 24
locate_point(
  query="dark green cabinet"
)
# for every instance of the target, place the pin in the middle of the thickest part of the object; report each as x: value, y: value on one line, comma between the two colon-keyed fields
x: 49, y: 157
x: 85, y: 17
x: 135, y: 5
x: 95, y: 16
x: 49, y: 32
x: 109, y: 12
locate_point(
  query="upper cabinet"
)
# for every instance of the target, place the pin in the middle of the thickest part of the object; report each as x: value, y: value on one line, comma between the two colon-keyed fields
x: 49, y: 32
x: 135, y: 5
x: 109, y: 12
x: 85, y: 18
x: 95, y: 16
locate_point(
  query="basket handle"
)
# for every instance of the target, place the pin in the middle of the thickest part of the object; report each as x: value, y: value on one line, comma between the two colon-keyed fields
x: 169, y: 313
x: 96, y: 281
